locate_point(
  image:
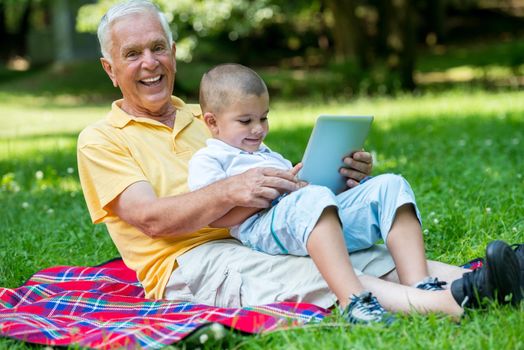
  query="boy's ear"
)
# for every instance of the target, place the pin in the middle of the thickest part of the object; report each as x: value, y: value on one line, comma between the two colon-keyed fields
x: 108, y: 67
x: 211, y: 122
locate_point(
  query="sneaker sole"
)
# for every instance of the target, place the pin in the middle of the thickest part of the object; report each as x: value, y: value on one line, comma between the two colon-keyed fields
x: 504, y: 270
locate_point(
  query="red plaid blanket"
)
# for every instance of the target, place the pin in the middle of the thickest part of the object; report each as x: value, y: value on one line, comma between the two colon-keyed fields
x: 104, y: 307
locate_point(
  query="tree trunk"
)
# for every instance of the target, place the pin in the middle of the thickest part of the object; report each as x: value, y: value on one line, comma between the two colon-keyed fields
x: 23, y: 31
x: 347, y: 32
x: 383, y: 25
x: 62, y: 31
x: 4, y: 53
x: 401, y: 41
x: 437, y: 15
x: 407, y: 61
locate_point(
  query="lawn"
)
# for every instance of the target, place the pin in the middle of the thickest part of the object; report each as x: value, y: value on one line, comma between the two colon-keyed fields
x: 462, y: 151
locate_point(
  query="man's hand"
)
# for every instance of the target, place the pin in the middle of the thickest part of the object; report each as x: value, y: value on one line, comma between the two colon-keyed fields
x: 358, y: 165
x: 257, y: 187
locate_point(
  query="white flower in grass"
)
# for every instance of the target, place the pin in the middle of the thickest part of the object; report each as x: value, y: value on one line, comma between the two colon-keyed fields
x: 488, y: 142
x: 514, y: 229
x: 462, y: 143
x: 488, y: 210
x: 519, y: 176
x: 203, y: 338
x: 50, y: 211
x: 39, y: 175
x: 70, y: 170
x: 515, y: 141
x: 435, y: 221
x: 25, y: 205
x: 426, y: 231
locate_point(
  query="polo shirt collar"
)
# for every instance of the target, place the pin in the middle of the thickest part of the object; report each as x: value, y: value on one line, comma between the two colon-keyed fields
x: 119, y: 118
x: 218, y: 143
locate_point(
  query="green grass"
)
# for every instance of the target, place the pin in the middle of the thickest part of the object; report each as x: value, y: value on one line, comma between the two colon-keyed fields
x: 462, y: 152
x: 461, y: 148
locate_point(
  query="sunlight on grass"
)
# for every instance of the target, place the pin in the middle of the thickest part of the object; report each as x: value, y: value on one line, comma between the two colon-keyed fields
x: 389, y: 110
x: 467, y: 74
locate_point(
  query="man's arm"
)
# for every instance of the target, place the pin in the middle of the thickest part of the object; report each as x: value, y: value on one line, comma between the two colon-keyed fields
x: 234, y: 217
x: 139, y: 206
x: 238, y: 215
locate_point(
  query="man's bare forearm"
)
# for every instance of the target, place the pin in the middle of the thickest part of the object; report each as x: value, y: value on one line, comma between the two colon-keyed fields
x: 234, y: 217
x: 139, y: 206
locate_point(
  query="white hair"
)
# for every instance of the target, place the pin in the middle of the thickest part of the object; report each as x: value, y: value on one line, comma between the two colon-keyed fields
x: 125, y: 9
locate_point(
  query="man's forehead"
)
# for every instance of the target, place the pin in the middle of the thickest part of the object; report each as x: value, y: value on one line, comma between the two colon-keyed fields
x: 137, y: 29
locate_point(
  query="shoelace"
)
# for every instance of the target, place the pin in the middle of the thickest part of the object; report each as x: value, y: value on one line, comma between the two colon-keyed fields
x: 370, y: 304
x: 431, y: 284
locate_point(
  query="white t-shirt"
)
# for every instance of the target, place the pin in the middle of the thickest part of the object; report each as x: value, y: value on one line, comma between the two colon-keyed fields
x: 218, y: 160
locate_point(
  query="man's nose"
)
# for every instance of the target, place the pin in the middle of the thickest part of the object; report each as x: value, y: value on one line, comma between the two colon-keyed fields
x: 149, y: 60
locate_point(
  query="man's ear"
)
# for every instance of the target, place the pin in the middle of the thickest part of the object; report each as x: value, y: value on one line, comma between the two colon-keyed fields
x: 173, y: 49
x: 211, y: 122
x: 108, y: 67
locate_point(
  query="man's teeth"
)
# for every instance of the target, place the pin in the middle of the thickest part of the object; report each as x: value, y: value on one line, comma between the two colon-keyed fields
x: 151, y: 80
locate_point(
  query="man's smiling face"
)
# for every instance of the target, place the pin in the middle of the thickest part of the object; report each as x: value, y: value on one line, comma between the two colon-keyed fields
x: 143, y: 64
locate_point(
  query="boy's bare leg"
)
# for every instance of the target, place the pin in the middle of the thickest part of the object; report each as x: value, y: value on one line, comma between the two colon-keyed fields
x: 406, y: 245
x: 398, y: 298
x: 444, y: 272
x: 327, y: 249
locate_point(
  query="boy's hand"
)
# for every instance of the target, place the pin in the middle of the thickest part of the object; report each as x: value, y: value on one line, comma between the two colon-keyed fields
x: 358, y: 165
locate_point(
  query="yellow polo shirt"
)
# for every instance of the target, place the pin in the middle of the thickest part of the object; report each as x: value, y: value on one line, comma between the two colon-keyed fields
x: 121, y: 150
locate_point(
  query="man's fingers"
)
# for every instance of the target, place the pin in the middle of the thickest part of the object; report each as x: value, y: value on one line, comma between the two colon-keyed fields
x: 280, y: 184
x: 273, y: 172
x: 296, y: 169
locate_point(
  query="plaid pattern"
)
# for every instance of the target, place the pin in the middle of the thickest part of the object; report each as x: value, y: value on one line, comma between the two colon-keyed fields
x: 104, y: 307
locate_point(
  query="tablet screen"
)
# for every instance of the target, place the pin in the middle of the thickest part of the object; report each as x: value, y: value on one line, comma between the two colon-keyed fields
x: 332, y: 138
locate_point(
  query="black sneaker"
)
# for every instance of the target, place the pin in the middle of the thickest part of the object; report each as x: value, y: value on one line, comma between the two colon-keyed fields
x: 430, y: 283
x: 498, y: 279
x: 365, y: 309
x: 519, y: 251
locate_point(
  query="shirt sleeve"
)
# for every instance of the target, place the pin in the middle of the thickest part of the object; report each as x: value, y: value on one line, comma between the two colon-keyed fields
x: 204, y: 169
x: 105, y: 171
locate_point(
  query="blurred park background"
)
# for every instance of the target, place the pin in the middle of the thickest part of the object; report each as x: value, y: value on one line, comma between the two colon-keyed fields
x: 322, y: 48
x: 443, y: 78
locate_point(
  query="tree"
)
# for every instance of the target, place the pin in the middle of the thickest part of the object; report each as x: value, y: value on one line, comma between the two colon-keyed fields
x: 347, y: 32
x: 14, y: 27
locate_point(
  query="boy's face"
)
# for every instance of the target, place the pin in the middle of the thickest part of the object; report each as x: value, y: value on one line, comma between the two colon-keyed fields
x: 243, y: 123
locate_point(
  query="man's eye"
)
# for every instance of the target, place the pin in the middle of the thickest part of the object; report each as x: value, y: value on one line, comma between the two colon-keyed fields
x: 245, y: 122
x: 131, y: 54
x: 263, y: 119
x: 159, y: 48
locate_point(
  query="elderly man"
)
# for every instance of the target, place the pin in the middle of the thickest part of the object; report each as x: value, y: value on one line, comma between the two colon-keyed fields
x: 133, y: 170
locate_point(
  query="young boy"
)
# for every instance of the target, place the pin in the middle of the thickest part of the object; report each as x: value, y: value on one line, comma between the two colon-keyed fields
x: 310, y: 221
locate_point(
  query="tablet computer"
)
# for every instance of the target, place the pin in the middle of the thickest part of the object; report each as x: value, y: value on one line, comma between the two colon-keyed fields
x: 333, y: 138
